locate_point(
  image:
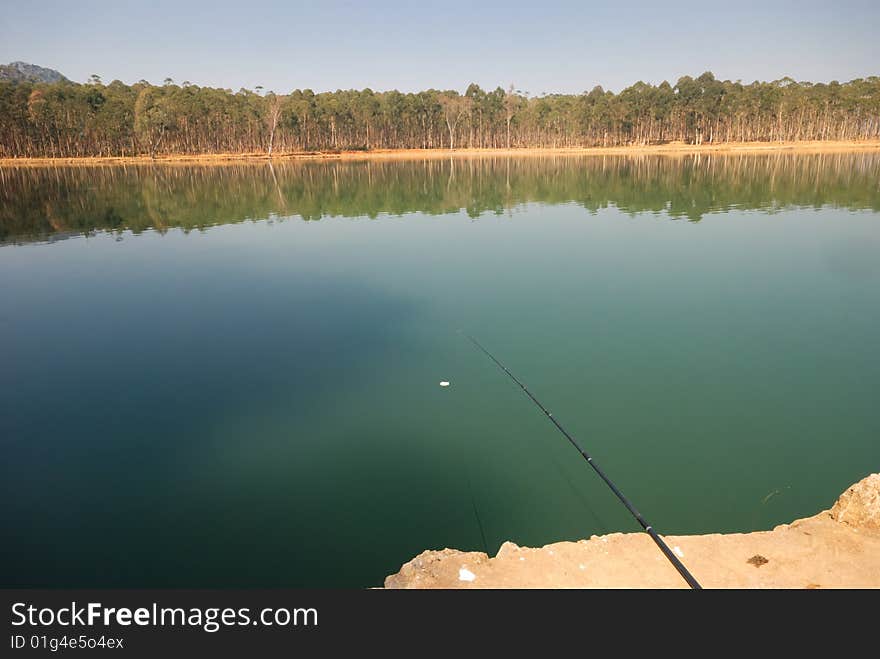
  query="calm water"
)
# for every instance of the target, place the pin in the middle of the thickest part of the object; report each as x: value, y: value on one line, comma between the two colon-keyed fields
x: 200, y: 388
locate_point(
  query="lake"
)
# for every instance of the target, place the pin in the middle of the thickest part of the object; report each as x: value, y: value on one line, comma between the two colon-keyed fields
x: 228, y: 376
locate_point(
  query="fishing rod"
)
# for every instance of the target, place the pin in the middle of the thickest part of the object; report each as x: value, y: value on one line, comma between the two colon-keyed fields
x: 677, y: 564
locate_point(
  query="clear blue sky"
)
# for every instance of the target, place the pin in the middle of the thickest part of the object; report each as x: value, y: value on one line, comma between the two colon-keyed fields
x: 540, y: 46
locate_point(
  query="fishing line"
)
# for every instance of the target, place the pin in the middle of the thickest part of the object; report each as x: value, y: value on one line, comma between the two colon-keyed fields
x: 585, y: 501
x: 477, y: 514
x: 677, y: 564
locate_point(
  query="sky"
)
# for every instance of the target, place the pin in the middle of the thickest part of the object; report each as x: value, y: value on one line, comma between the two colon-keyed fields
x: 542, y: 46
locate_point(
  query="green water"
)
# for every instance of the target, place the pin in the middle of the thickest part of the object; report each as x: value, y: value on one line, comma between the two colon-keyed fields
x: 200, y: 388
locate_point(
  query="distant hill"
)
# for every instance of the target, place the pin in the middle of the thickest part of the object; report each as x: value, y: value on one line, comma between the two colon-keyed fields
x: 29, y: 73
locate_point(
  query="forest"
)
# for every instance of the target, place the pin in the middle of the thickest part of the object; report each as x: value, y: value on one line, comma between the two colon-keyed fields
x: 67, y: 119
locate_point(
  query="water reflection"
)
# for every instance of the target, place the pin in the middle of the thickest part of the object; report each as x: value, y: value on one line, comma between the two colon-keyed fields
x: 51, y: 203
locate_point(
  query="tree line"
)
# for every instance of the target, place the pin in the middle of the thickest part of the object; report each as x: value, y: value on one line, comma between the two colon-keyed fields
x: 35, y: 202
x: 67, y: 119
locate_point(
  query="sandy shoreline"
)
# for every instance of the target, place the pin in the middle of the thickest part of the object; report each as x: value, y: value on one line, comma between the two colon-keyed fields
x: 837, y: 548
x: 672, y: 149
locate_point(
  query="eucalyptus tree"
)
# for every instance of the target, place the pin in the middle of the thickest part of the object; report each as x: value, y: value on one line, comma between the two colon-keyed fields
x: 512, y: 102
x: 153, y: 118
x: 70, y: 119
x: 454, y: 108
x: 274, y: 106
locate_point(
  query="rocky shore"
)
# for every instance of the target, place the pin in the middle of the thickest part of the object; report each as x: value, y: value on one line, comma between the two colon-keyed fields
x: 837, y: 548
